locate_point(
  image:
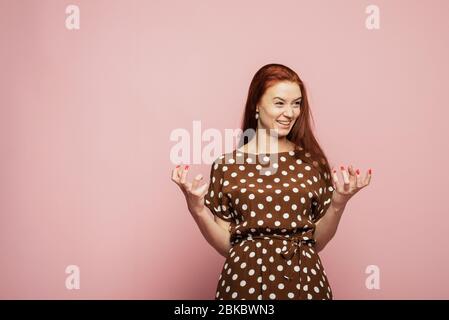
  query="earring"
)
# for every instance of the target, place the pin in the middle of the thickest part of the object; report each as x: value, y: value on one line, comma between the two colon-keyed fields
x: 257, y: 115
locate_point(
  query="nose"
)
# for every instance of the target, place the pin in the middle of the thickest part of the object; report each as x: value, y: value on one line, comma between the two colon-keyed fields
x: 289, y: 112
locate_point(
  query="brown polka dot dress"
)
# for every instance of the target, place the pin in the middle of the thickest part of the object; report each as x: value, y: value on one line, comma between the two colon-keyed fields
x: 273, y: 202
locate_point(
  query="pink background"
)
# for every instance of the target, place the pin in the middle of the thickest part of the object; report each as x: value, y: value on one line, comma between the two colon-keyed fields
x: 86, y: 115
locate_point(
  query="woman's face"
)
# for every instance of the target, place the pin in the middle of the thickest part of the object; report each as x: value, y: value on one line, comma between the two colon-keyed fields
x: 279, y: 107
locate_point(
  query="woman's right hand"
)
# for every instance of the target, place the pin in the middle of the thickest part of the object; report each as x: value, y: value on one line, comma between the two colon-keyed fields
x: 194, y: 192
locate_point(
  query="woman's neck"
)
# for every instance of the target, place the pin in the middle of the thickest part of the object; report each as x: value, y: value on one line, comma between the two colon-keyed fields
x: 266, y: 143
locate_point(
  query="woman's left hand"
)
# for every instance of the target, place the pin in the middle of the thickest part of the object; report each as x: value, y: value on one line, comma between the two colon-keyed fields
x: 352, y: 183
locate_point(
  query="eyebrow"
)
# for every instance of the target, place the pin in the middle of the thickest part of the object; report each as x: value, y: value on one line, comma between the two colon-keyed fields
x: 300, y: 98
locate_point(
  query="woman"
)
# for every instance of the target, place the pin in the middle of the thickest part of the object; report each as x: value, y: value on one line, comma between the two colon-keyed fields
x: 274, y: 201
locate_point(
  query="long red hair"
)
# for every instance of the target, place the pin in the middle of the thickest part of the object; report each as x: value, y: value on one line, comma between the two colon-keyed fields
x: 301, y: 133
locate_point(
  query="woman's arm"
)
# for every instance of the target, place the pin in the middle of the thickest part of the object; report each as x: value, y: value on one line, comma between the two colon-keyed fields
x: 326, y: 227
x: 215, y: 232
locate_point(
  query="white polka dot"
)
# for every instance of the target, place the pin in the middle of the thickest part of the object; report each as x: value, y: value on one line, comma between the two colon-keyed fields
x: 277, y: 207
x: 272, y: 296
x: 280, y: 268
x: 286, y: 198
x: 242, y: 283
x: 271, y: 277
x: 251, y: 196
x: 296, y: 268
x: 251, y: 272
x: 277, y: 223
x: 281, y: 286
x: 269, y: 198
x: 251, y: 290
x: 316, y: 289
x: 290, y: 295
x: 260, y: 206
x: 285, y: 215
x: 309, y: 296
x: 234, y: 295
x: 235, y: 276
x: 260, y: 222
x: 243, y: 265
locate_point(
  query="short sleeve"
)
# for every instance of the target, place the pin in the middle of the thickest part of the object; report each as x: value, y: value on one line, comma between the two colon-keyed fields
x: 323, y: 194
x: 216, y: 199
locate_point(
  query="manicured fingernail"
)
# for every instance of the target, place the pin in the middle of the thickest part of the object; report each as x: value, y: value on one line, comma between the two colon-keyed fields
x: 335, y: 170
x: 369, y: 171
x: 342, y: 168
x: 186, y: 167
x: 357, y: 171
x: 178, y: 166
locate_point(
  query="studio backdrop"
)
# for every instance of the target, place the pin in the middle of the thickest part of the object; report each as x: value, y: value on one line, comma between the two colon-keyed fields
x: 97, y: 95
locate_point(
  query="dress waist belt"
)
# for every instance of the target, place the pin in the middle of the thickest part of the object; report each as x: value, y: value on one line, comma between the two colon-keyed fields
x: 296, y: 242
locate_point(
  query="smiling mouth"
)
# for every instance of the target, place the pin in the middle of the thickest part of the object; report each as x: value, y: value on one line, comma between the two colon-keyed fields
x: 284, y: 123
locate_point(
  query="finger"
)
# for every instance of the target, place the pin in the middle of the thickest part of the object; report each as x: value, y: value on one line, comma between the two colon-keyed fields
x: 352, y: 175
x: 196, y: 181
x: 174, y: 174
x: 367, y: 177
x: 204, y: 189
x: 180, y: 170
x: 345, y: 175
x: 184, y: 174
x: 335, y: 179
x: 359, y: 179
